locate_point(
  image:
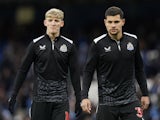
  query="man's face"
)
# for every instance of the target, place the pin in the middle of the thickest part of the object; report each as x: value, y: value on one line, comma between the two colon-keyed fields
x: 53, y: 25
x: 114, y: 24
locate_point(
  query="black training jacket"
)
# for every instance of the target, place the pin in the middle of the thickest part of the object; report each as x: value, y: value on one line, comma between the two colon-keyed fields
x: 118, y: 64
x: 51, y: 60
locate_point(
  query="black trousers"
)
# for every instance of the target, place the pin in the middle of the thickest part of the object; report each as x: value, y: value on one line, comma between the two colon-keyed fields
x: 131, y: 111
x: 49, y: 111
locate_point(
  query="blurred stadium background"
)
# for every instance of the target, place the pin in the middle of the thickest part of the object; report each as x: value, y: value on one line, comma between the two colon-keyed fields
x: 22, y: 21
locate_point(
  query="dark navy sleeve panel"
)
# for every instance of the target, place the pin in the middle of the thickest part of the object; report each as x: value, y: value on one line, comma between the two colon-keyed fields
x: 139, y: 72
x: 24, y: 67
x: 74, y: 72
x: 89, y: 69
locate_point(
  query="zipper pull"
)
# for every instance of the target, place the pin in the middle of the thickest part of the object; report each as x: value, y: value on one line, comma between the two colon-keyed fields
x: 52, y: 45
x: 119, y: 47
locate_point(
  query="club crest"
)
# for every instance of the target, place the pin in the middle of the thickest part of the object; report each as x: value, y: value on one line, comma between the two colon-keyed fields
x: 130, y: 46
x: 63, y: 48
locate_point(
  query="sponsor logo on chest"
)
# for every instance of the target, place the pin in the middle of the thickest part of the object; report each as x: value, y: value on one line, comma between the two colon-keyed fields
x: 42, y: 47
x: 107, y: 49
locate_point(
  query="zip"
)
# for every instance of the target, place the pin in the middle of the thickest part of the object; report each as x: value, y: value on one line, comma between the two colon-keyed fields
x: 52, y: 44
x: 118, y: 44
x: 119, y: 47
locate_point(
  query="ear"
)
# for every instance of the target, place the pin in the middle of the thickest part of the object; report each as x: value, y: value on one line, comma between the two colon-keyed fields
x: 124, y: 21
x: 62, y: 23
x: 44, y: 22
x: 105, y: 21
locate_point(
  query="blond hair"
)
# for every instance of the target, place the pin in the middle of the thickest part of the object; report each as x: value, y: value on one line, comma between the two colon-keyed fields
x: 54, y: 12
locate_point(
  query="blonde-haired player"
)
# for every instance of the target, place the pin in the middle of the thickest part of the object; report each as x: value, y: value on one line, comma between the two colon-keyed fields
x: 52, y: 55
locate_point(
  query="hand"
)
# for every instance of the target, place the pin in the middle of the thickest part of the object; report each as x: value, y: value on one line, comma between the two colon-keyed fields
x: 11, y: 103
x: 86, y: 105
x: 145, y: 102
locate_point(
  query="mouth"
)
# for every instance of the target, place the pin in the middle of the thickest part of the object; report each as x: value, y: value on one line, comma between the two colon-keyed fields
x: 52, y: 27
x: 113, y: 30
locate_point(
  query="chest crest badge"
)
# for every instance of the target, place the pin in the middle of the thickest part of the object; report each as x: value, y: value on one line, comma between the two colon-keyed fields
x: 63, y: 48
x: 130, y: 46
x: 42, y: 47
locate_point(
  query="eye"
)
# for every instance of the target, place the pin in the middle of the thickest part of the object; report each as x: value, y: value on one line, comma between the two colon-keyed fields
x: 50, y: 20
x: 57, y: 20
x: 117, y: 21
x: 109, y: 22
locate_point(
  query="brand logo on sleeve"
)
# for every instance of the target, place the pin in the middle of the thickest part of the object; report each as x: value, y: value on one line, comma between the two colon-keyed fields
x: 63, y: 48
x: 42, y: 47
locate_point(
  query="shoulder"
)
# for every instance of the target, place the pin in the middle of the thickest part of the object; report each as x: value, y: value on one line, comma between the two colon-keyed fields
x: 130, y: 35
x: 66, y: 39
x: 38, y: 39
x: 96, y: 40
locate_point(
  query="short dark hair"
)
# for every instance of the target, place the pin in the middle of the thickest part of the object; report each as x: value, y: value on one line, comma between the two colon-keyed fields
x: 112, y: 11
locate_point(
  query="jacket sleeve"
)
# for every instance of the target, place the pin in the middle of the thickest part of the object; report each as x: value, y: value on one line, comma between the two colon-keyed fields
x: 75, y: 72
x: 23, y: 69
x: 139, y: 72
x: 89, y: 69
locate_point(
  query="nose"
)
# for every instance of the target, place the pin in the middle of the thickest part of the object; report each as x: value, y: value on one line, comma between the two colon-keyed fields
x: 113, y: 24
x: 53, y: 22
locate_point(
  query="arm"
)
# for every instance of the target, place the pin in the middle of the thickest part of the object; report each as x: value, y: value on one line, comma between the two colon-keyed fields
x: 140, y: 76
x: 87, y: 77
x: 20, y: 77
x: 75, y: 78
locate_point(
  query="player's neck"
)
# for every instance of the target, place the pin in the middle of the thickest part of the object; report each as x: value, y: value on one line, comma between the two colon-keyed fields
x: 116, y: 37
x: 53, y: 36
